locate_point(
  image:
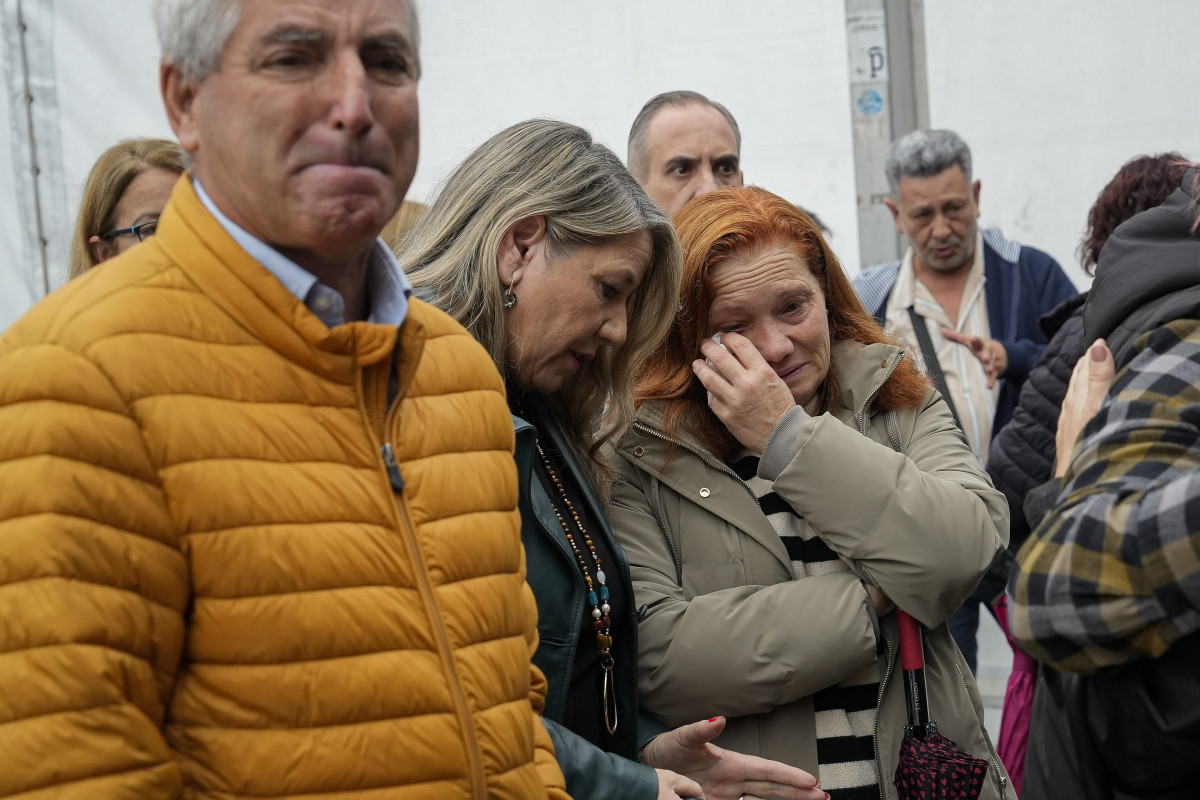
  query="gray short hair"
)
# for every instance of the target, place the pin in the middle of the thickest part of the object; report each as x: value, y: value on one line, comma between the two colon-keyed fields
x: 192, y: 33
x: 587, y: 197
x: 924, y: 154
x: 637, y: 154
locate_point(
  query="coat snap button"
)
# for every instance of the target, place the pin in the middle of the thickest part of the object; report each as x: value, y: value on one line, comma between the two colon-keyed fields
x: 639, y: 452
x: 705, y: 492
x: 883, y: 365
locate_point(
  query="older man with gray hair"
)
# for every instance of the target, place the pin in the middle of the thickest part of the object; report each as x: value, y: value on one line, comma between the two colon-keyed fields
x: 258, y: 533
x: 968, y: 299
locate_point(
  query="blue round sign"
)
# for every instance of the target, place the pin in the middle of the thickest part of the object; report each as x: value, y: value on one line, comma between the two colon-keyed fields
x: 870, y: 103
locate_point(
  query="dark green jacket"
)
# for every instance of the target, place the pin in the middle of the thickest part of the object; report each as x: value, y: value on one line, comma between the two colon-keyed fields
x: 591, y: 773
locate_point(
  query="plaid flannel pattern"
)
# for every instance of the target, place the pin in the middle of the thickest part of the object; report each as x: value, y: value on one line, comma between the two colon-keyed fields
x: 1113, y: 573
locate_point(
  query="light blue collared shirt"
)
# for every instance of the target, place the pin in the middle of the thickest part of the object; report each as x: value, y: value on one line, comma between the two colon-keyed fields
x: 387, y: 286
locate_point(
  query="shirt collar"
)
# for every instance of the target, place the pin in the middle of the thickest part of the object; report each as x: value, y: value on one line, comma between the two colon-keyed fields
x: 387, y: 285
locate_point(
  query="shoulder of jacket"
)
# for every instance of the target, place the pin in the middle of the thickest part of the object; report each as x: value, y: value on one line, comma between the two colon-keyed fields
x: 90, y: 308
x: 873, y: 284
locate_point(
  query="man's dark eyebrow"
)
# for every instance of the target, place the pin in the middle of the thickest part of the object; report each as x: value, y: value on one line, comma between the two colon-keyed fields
x: 730, y: 160
x: 680, y: 161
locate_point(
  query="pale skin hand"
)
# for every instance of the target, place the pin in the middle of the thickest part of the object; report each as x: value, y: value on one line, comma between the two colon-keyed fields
x: 883, y: 603
x: 743, y: 391
x: 726, y: 775
x: 991, y: 353
x: 673, y: 786
x: 1090, y: 381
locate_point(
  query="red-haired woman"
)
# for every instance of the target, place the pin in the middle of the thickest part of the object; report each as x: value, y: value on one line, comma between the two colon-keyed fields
x: 778, y: 491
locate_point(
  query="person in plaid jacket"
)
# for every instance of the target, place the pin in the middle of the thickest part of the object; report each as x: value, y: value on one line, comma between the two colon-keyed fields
x: 1107, y: 588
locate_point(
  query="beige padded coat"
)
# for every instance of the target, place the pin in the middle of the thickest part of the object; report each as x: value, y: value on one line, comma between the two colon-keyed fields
x: 728, y: 630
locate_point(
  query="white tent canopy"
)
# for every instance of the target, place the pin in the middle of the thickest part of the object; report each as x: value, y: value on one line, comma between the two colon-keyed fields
x: 1052, y: 98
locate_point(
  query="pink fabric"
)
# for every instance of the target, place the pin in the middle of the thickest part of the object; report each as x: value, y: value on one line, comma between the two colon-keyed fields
x: 1018, y: 704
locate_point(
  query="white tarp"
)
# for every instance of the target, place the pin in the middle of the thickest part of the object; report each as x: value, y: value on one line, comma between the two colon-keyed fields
x: 1052, y: 97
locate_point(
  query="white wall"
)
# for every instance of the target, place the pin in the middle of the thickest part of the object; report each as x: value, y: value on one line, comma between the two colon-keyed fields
x: 778, y: 65
x: 1053, y: 97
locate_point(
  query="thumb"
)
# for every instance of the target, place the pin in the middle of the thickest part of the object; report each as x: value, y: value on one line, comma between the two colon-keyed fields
x: 1101, y: 366
x: 700, y: 733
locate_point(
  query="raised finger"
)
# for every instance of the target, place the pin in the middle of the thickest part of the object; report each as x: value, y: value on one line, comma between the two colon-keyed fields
x: 711, y: 379
x: 726, y: 362
x: 744, y: 349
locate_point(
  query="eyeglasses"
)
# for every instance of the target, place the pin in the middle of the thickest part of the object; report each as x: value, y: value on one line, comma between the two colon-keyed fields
x: 142, y: 232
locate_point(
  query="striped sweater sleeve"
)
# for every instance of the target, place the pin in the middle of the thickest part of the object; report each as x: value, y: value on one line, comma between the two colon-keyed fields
x: 1113, y: 573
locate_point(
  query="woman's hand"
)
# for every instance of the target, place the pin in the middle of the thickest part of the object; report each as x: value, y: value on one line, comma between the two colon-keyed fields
x: 673, y: 786
x: 724, y: 774
x: 1089, y: 384
x: 883, y: 604
x: 743, y: 391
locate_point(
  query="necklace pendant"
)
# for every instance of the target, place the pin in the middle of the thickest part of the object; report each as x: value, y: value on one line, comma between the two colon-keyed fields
x: 610, y: 699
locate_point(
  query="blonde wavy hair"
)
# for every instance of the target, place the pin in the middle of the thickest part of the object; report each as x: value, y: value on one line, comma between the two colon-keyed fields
x: 106, y: 183
x: 587, y: 197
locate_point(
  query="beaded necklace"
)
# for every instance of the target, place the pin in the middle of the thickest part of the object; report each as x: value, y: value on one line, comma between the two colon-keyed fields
x: 597, y: 595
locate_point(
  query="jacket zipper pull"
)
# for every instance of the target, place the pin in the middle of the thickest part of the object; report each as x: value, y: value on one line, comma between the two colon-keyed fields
x: 393, y: 469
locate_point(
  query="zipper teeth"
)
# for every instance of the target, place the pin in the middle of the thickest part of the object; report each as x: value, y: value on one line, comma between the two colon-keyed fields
x: 991, y: 757
x: 421, y: 577
x: 662, y: 521
x: 861, y: 415
x: 887, y: 673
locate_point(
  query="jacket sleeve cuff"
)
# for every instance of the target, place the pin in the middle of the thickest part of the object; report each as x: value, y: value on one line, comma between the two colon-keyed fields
x: 1022, y: 355
x: 873, y: 614
x: 592, y: 773
x: 1040, y: 501
x: 781, y: 447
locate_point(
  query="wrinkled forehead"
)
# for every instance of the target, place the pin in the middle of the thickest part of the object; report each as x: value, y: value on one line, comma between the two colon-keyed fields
x: 949, y: 184
x: 268, y: 20
x: 683, y: 129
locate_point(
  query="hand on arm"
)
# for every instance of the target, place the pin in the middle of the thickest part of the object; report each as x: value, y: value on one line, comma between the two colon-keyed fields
x: 1089, y: 384
x: 724, y: 774
x: 743, y: 391
x: 990, y: 352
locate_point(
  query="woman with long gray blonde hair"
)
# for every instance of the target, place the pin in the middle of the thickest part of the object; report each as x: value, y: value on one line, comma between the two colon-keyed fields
x: 544, y: 247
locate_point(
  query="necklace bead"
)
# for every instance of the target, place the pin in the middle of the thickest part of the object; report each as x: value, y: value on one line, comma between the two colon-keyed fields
x: 598, y: 600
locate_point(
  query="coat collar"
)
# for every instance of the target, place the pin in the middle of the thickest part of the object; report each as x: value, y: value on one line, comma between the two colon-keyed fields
x: 198, y: 245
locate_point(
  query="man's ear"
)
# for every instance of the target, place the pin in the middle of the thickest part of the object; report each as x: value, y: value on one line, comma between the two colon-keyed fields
x: 179, y: 97
x: 519, y: 247
x: 895, y: 209
x: 975, y: 192
x: 100, y: 249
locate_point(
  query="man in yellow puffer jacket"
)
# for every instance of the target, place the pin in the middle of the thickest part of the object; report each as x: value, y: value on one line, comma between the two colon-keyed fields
x: 258, y: 528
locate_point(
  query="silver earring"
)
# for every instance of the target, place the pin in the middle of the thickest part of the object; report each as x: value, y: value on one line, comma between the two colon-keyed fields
x: 510, y: 298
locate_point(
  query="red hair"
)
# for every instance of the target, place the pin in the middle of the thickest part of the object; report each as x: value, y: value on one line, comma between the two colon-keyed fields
x: 737, y: 222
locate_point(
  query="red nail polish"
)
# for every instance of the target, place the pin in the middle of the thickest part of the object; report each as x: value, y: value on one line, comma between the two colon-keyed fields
x: 714, y: 719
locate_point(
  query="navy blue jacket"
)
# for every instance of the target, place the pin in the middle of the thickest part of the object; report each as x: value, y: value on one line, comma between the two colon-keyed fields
x: 1023, y: 283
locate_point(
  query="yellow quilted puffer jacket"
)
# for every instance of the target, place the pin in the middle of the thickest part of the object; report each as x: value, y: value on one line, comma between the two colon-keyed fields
x: 207, y: 585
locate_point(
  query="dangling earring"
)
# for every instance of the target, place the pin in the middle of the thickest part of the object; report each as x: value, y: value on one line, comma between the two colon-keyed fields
x: 510, y: 299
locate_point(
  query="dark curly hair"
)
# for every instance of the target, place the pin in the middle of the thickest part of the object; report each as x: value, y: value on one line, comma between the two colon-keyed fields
x: 1143, y: 183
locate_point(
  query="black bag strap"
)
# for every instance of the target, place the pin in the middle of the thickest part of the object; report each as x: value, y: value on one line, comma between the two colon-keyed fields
x: 931, y: 361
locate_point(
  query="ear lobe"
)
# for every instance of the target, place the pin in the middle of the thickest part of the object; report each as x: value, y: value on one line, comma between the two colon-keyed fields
x: 178, y: 98
x: 518, y: 246
x: 891, y: 204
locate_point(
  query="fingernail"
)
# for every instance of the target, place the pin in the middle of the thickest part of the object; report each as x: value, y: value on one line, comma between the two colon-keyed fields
x: 1097, y: 352
x: 714, y: 719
